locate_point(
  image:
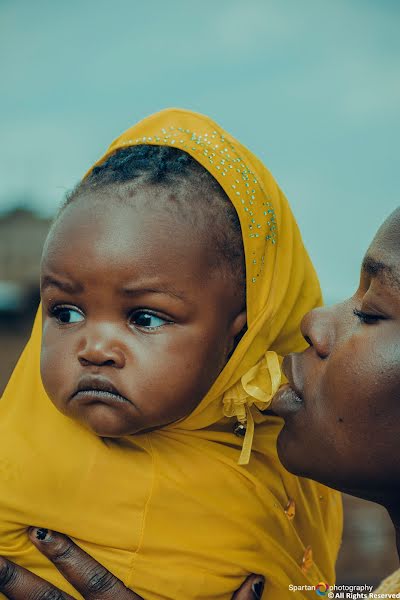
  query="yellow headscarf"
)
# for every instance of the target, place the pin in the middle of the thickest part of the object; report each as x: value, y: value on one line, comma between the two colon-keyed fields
x: 172, y: 512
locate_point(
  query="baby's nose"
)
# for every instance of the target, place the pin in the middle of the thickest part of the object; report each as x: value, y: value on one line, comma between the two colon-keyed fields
x: 101, y: 350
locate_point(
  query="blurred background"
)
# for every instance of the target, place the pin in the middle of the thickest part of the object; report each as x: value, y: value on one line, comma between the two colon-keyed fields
x: 312, y: 87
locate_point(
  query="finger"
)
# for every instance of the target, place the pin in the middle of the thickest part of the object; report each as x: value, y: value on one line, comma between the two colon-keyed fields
x: 19, y: 584
x: 88, y: 577
x: 251, y: 589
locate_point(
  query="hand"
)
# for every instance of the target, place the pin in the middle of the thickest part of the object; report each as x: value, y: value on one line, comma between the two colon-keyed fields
x: 251, y: 589
x: 85, y: 574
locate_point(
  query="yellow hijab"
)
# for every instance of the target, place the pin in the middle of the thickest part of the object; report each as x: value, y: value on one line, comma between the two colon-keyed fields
x: 190, y: 510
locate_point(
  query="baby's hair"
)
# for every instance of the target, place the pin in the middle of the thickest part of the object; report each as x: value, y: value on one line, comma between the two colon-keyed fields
x: 148, y: 165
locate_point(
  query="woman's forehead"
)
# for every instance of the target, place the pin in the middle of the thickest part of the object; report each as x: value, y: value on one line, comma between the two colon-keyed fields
x: 382, y: 259
x: 387, y: 238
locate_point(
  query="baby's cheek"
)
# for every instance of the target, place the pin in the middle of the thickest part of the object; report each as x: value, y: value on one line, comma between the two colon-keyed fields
x: 54, y: 364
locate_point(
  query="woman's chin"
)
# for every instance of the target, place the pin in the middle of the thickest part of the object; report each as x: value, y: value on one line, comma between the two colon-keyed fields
x: 301, y: 464
x: 290, y: 456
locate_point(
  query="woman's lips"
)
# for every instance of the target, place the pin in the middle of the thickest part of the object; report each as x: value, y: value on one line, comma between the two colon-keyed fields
x: 286, y: 401
x: 288, y: 398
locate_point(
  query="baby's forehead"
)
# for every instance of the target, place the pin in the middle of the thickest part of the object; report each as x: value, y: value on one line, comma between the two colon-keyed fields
x: 179, y: 210
x: 180, y: 206
x: 160, y: 224
x: 124, y: 239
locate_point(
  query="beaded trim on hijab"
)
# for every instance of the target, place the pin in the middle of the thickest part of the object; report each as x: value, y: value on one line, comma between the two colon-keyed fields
x: 218, y: 150
x: 258, y: 386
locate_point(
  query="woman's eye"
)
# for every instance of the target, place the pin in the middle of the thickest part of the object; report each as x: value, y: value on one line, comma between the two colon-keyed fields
x: 66, y: 314
x: 147, y: 320
x: 366, y: 318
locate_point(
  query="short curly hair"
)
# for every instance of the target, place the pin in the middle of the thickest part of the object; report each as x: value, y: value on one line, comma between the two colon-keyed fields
x: 151, y: 165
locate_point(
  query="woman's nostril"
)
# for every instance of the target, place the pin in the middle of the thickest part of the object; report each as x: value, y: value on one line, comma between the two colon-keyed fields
x: 308, y: 340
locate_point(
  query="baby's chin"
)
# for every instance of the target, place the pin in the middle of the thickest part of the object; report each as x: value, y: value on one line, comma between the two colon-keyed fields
x: 109, y: 428
x: 113, y: 420
x: 116, y: 430
x: 106, y: 421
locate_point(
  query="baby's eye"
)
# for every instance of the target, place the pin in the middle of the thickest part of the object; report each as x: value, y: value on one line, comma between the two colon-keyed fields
x: 66, y: 314
x: 147, y: 320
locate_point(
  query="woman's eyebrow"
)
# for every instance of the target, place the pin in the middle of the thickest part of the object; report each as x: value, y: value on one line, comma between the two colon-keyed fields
x: 375, y: 268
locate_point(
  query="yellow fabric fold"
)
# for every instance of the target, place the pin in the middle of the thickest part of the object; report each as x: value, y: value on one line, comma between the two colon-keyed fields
x: 258, y: 386
x: 390, y: 585
x: 171, y: 512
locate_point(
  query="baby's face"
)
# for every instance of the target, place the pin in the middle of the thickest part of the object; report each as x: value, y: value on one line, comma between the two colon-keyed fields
x: 136, y: 323
x: 342, y: 412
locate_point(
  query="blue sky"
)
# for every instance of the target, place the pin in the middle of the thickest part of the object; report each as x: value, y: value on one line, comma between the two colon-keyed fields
x: 313, y: 87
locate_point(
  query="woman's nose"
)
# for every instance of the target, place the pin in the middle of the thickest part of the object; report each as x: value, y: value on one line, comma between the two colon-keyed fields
x: 317, y: 328
x: 100, y: 349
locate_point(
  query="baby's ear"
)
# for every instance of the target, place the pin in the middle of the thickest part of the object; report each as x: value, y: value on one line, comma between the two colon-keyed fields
x: 238, y: 323
x: 237, y: 330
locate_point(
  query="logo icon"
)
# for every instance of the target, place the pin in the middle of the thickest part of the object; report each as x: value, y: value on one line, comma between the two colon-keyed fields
x: 322, y: 588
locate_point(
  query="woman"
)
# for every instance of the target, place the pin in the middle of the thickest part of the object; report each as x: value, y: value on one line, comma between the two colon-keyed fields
x: 342, y: 405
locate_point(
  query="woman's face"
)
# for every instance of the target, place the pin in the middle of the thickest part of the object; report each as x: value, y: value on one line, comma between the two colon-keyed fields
x: 136, y: 323
x: 342, y: 405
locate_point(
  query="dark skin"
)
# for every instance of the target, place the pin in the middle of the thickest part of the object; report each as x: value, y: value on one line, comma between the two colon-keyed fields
x: 137, y: 319
x: 342, y: 405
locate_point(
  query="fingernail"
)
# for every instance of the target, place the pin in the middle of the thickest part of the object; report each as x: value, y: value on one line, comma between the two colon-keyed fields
x: 41, y: 533
x: 258, y: 588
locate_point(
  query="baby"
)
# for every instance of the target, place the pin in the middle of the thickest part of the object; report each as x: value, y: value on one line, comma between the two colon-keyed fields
x: 171, y: 279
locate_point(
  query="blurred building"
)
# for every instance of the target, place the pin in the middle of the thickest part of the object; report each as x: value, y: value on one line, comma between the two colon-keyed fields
x: 22, y: 234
